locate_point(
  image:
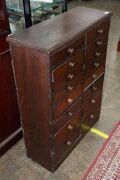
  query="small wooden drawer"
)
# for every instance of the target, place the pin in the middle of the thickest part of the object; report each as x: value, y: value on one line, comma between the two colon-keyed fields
x: 67, y: 72
x: 68, y: 90
x: 67, y: 101
x: 89, y: 120
x: 68, y: 115
x: 93, y: 52
x: 92, y: 103
x: 89, y: 68
x: 100, y: 60
x: 93, y: 65
x: 101, y: 29
x: 93, y: 89
x: 94, y: 76
x: 67, y: 51
x: 79, y: 61
x: 67, y: 136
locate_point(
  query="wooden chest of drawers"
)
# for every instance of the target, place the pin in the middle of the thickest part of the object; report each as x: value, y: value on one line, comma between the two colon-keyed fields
x: 59, y: 68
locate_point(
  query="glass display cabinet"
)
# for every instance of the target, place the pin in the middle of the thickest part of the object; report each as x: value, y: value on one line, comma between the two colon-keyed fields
x: 39, y: 10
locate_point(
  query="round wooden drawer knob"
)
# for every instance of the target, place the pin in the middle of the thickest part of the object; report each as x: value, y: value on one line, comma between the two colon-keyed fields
x: 70, y: 113
x: 96, y: 65
x: 92, y: 116
x: 84, y: 67
x: 71, y: 50
x: 69, y: 143
x: 70, y: 76
x: 100, y: 31
x: 70, y: 100
x: 71, y: 64
x: 94, y: 88
x: 99, y: 43
x: 94, y: 76
x: 70, y: 88
x: 70, y: 127
x: 98, y: 54
x: 93, y: 101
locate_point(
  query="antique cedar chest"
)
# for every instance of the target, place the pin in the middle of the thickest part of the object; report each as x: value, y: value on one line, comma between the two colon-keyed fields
x: 59, y: 68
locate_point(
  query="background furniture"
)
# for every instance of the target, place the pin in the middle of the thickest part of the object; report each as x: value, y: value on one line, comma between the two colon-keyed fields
x: 59, y: 68
x: 30, y: 12
x: 10, y: 128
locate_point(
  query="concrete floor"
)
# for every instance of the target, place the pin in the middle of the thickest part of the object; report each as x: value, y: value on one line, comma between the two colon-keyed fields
x: 14, y: 165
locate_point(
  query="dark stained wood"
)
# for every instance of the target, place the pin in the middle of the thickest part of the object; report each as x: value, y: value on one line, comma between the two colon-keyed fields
x: 67, y: 51
x: 68, y: 71
x: 67, y: 115
x: 10, y: 127
x: 67, y: 136
x: 56, y: 109
x: 94, y: 64
x: 89, y: 120
x: 73, y: 88
x: 93, y: 53
x: 33, y: 84
x: 72, y: 24
x: 9, y: 114
x: 99, y: 31
x: 11, y: 142
x: 93, y: 89
x: 92, y: 103
x: 94, y: 76
x: 3, y: 44
x: 70, y: 149
x: 68, y: 100
x: 64, y: 81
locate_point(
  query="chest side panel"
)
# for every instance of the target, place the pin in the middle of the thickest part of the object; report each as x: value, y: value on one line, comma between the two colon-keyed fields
x: 31, y: 70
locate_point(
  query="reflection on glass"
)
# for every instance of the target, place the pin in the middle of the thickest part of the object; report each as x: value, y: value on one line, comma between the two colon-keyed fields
x: 16, y: 17
x: 40, y: 10
x: 44, y: 9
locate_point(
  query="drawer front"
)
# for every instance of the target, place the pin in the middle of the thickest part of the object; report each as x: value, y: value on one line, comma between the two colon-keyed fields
x: 92, y: 103
x: 68, y: 71
x: 93, y: 53
x: 93, y: 65
x: 68, y: 90
x: 100, y: 60
x: 94, y: 76
x: 89, y: 120
x: 67, y: 101
x: 65, y: 138
x: 93, y: 89
x: 67, y: 51
x: 68, y: 115
x: 101, y: 29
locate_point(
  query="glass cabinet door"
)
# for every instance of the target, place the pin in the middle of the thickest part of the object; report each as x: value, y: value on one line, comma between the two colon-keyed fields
x: 44, y: 9
x: 16, y: 14
x: 40, y: 11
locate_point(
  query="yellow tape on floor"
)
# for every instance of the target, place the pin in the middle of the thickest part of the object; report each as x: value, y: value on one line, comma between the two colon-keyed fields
x: 99, y: 133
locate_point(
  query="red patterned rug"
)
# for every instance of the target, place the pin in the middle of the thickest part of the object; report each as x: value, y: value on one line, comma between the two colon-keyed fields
x: 106, y: 166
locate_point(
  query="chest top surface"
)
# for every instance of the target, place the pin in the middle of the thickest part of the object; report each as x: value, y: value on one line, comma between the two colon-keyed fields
x: 55, y: 32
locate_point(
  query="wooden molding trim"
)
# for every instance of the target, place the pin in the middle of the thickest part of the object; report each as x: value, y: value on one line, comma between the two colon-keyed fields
x: 11, y: 141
